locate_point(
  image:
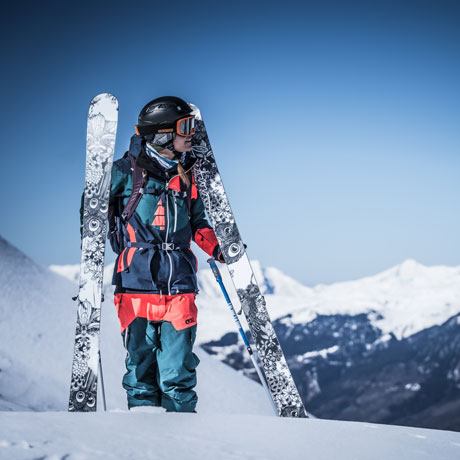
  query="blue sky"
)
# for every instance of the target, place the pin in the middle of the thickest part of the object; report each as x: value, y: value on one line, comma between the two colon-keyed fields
x: 335, y: 124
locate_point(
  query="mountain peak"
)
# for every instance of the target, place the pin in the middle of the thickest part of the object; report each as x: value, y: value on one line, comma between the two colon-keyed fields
x: 409, y: 268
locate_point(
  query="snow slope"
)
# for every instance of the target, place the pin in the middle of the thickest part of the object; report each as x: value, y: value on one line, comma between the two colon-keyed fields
x: 37, y: 320
x: 172, y: 436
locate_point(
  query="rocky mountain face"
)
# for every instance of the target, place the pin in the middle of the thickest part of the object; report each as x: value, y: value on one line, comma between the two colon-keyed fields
x: 347, y: 369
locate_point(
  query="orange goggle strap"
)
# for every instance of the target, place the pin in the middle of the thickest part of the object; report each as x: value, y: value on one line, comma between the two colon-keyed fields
x: 184, y: 127
x: 143, y: 130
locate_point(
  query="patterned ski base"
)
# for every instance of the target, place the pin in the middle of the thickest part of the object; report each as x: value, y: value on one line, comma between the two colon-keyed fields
x: 100, y: 143
x: 274, y: 366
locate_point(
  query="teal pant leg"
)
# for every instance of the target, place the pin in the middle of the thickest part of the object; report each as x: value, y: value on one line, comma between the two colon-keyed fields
x: 176, y: 366
x: 140, y: 380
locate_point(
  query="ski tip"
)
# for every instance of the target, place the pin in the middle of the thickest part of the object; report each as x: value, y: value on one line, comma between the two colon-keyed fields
x: 105, y: 104
x: 105, y: 96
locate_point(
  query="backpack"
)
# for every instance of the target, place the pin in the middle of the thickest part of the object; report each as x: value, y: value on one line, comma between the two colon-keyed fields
x: 117, y: 216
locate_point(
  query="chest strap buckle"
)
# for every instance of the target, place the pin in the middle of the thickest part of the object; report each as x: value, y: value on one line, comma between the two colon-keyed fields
x: 167, y: 246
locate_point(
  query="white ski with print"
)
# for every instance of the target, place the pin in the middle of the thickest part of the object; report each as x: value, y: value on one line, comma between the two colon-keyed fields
x: 100, y: 144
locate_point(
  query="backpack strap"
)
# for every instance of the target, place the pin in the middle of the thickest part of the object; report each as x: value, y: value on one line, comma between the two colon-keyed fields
x: 139, y: 181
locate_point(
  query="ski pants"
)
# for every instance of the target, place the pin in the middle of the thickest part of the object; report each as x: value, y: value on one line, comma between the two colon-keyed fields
x: 160, y: 365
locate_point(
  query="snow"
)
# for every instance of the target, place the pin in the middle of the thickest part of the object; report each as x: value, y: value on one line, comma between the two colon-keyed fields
x: 128, y: 435
x: 37, y: 320
x: 313, y: 354
x: 413, y: 386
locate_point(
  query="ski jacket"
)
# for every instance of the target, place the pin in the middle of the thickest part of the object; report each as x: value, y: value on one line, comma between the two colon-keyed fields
x: 155, y: 256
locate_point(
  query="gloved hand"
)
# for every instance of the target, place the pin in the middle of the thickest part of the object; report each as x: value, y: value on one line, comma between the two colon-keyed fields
x: 217, y: 254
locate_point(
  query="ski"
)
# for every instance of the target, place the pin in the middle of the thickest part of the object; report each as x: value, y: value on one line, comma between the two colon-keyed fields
x: 277, y: 375
x: 100, y: 143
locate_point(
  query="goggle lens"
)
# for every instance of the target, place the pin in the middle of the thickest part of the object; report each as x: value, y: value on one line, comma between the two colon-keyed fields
x: 186, y: 126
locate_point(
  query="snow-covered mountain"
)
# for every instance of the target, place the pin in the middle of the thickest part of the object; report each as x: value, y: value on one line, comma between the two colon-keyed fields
x: 405, y: 299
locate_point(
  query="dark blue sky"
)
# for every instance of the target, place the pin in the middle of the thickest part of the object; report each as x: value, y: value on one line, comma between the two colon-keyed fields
x: 335, y: 124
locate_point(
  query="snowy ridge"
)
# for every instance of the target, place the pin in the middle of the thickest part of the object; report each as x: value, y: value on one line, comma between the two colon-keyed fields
x: 402, y: 300
x: 271, y: 281
x: 405, y: 299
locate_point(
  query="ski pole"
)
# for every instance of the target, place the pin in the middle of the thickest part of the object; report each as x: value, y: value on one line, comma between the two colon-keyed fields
x: 218, y: 277
x: 102, y: 381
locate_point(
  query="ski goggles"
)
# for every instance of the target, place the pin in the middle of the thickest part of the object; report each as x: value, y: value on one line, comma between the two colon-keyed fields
x: 185, y: 126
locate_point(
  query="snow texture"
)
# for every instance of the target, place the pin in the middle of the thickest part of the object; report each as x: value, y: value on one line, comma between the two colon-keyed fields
x: 127, y: 435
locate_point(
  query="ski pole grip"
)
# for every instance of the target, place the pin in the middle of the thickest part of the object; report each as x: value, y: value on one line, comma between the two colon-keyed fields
x: 214, y: 268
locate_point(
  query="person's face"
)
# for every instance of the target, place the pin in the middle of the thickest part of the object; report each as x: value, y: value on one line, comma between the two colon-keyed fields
x: 183, y: 143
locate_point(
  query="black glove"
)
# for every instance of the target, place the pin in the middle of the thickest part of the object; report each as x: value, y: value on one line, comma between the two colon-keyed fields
x: 217, y: 254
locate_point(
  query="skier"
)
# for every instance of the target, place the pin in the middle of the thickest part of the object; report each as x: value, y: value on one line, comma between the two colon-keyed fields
x: 155, y: 271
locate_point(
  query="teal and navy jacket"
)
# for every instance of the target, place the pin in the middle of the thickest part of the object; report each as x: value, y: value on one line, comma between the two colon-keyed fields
x: 155, y: 256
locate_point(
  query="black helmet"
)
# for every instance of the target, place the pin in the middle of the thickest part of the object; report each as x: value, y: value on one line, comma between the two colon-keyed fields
x: 161, y: 115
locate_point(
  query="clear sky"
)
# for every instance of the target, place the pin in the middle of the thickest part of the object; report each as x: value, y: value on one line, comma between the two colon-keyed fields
x: 335, y: 124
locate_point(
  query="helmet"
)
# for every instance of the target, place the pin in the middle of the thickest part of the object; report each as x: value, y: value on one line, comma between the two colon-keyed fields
x: 162, y: 115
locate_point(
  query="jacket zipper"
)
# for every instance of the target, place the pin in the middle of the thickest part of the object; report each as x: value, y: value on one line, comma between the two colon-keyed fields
x: 167, y: 232
x: 175, y: 214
